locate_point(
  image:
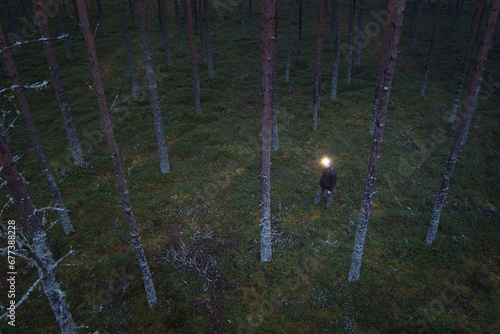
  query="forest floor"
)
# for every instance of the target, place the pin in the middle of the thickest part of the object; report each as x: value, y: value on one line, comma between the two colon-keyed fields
x: 200, y: 224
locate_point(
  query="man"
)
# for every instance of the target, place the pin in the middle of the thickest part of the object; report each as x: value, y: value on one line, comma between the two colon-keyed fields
x: 326, y: 184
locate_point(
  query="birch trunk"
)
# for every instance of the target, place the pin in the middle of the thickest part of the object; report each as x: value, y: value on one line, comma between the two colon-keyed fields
x: 178, y: 25
x: 431, y: 46
x: 210, y: 57
x: 41, y: 251
x: 392, y: 32
x: 317, y: 72
x: 476, y: 21
x: 336, y: 60
x: 153, y: 88
x: 37, y: 144
x: 194, y: 65
x: 113, y: 148
x: 470, y: 102
x: 74, y: 143
x: 350, y: 37
x: 130, y: 55
x: 268, y: 65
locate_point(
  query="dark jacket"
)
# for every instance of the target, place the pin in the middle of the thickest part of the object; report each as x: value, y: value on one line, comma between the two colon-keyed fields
x: 328, y: 178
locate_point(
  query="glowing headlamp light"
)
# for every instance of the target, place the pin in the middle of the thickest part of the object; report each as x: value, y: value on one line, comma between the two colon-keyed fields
x: 326, y: 162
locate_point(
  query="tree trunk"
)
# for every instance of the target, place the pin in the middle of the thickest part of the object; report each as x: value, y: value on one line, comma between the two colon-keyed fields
x: 431, y: 46
x: 299, y: 42
x: 40, y: 246
x: 250, y: 22
x: 113, y: 148
x: 194, y: 65
x: 336, y: 60
x: 10, y: 19
x: 470, y: 102
x: 274, y: 114
x: 74, y: 143
x: 242, y: 19
x: 476, y: 22
x: 63, y: 27
x: 268, y: 65
x: 332, y: 27
x: 202, y: 32
x: 360, y: 32
x: 132, y: 10
x: 153, y: 89
x: 319, y: 53
x: 289, y: 42
x: 178, y: 24
x: 101, y: 16
x: 392, y: 32
x: 130, y: 55
x: 210, y: 57
x: 164, y: 29
x: 350, y: 37
x: 30, y: 124
x: 416, y: 25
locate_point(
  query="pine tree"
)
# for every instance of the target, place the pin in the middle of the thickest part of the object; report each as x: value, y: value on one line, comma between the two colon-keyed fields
x: 208, y: 29
x: 350, y: 38
x: 433, y: 38
x: 361, y: 12
x: 130, y: 55
x: 194, y: 65
x: 164, y: 30
x: 317, y: 68
x: 336, y: 60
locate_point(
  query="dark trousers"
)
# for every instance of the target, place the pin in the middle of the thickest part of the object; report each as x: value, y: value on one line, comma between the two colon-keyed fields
x: 320, y: 192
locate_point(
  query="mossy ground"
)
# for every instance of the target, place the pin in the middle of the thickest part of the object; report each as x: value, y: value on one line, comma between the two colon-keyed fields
x: 210, y: 200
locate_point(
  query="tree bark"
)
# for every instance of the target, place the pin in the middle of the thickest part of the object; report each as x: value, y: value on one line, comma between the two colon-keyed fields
x: 392, y: 32
x: 289, y: 41
x: 178, y: 24
x: 210, y: 57
x: 63, y: 28
x: 153, y: 88
x: 194, y: 65
x: 416, y: 25
x: 431, y: 46
x: 101, y: 16
x: 203, y: 46
x: 360, y: 31
x: 10, y: 20
x: 470, y: 102
x: 242, y: 19
x: 164, y: 29
x: 336, y: 60
x: 350, y: 37
x: 476, y: 22
x: 268, y: 65
x: 132, y: 10
x: 37, y: 144
x: 301, y: 18
x: 130, y: 54
x: 74, y: 143
x: 319, y: 54
x: 113, y: 148
x: 40, y: 246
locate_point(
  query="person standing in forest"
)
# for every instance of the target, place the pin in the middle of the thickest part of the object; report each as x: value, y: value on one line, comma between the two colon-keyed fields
x: 326, y: 184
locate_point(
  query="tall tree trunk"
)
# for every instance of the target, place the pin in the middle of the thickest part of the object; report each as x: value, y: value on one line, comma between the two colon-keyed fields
x: 10, y: 19
x: 416, y: 25
x: 319, y: 54
x: 130, y: 55
x: 267, y: 65
x: 178, y: 24
x: 332, y: 26
x: 113, y: 148
x: 470, y: 102
x: 30, y: 124
x: 153, y: 88
x: 194, y: 65
x: 132, y: 10
x: 202, y: 32
x: 289, y: 41
x: 63, y: 28
x: 242, y: 19
x: 360, y: 31
x: 336, y: 60
x: 40, y: 246
x: 74, y: 143
x: 431, y: 46
x: 274, y: 114
x: 392, y: 32
x: 164, y: 30
x: 301, y: 18
x: 476, y: 22
x: 250, y: 22
x: 210, y: 57
x: 101, y: 16
x: 350, y: 37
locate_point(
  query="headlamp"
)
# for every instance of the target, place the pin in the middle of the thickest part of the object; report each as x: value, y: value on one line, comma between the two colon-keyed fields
x: 326, y: 162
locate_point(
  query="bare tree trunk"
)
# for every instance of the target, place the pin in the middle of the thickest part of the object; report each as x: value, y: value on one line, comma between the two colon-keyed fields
x: 113, y: 148
x: 476, y: 21
x: 178, y: 24
x: 210, y: 57
x: 470, y: 102
x: 289, y: 42
x: 74, y: 143
x: 130, y: 55
x: 268, y: 65
x: 242, y: 19
x: 392, y: 31
x: 41, y: 253
x: 194, y: 65
x: 319, y: 53
x: 274, y: 114
x: 164, y: 29
x: 250, y: 12
x: 332, y: 26
x: 431, y: 46
x: 37, y: 144
x: 63, y: 29
x: 416, y: 25
x: 336, y: 60
x: 350, y: 37
x: 301, y: 18
x: 360, y: 32
x: 202, y: 32
x: 132, y: 10
x: 101, y: 16
x: 153, y: 88
x: 10, y: 19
